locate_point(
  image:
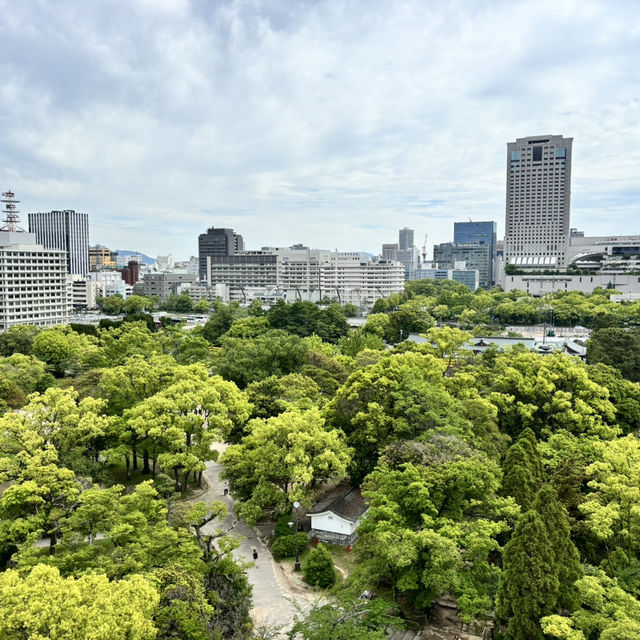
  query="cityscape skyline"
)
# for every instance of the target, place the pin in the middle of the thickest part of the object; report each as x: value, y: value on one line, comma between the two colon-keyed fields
x: 320, y: 124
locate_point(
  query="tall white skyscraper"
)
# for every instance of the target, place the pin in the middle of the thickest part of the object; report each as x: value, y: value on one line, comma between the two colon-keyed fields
x: 67, y: 230
x: 538, y: 202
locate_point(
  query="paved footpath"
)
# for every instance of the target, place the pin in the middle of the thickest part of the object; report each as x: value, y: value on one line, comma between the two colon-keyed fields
x: 272, y: 594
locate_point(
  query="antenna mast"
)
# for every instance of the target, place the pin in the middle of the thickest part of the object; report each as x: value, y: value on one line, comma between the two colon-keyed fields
x: 424, y: 249
x: 11, y: 218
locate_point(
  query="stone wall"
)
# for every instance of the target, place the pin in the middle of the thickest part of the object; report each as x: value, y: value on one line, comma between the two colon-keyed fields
x: 333, y: 538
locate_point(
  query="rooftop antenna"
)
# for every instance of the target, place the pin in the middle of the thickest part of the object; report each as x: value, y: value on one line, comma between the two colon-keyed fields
x: 11, y: 218
x: 424, y: 249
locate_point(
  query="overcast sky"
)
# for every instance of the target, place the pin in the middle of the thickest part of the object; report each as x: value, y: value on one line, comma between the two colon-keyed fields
x: 331, y: 123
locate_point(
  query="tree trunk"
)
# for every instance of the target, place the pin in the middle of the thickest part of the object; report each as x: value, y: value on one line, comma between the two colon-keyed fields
x: 52, y: 542
x: 185, y: 480
x: 175, y: 473
x: 199, y: 478
x: 128, y: 463
x: 154, y: 468
x: 146, y: 470
x: 135, y: 456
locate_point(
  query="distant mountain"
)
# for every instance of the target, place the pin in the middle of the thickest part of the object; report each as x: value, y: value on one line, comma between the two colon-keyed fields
x: 127, y: 252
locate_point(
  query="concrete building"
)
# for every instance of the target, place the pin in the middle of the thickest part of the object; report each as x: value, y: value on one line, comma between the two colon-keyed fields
x: 101, y: 258
x: 217, y: 242
x: 538, y: 202
x: 539, y: 285
x: 468, y: 277
x: 405, y: 239
x: 122, y: 260
x: 85, y: 292
x: 112, y: 282
x: 65, y: 230
x: 484, y: 233
x: 475, y: 256
x: 131, y: 273
x: 300, y: 273
x: 162, y: 284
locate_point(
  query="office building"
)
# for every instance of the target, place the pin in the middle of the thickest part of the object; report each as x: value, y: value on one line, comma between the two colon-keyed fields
x: 300, y: 273
x: 162, y: 284
x: 405, y: 239
x: 131, y: 273
x: 484, y: 233
x: 403, y: 251
x: 67, y: 231
x: 101, y: 258
x: 538, y: 202
x: 85, y: 292
x: 33, y: 279
x: 468, y: 277
x: 449, y: 255
x: 217, y: 242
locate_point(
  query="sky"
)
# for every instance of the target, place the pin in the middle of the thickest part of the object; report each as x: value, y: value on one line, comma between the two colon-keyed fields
x: 331, y: 123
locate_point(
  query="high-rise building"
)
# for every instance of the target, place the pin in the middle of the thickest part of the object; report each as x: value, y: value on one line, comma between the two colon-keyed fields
x: 66, y: 230
x: 33, y: 279
x: 474, y: 256
x: 484, y: 233
x: 217, y: 242
x: 538, y: 202
x: 405, y: 239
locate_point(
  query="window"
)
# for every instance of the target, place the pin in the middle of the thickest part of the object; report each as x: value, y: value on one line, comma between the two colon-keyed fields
x: 561, y: 152
x: 515, y: 156
x: 537, y: 154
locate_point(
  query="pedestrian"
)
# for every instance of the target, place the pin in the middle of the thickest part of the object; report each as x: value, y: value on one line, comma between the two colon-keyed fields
x: 226, y: 488
x: 255, y: 557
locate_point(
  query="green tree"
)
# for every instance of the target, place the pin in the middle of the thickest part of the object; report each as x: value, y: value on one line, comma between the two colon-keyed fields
x: 281, y: 460
x: 136, y: 304
x: 273, y: 353
x: 318, y: 568
x: 202, y: 306
x: 619, y: 348
x: 112, y: 305
x: 529, y: 582
x: 522, y: 470
x: 567, y: 560
x: 45, y: 605
x: 62, y: 348
x: 274, y: 395
x: 18, y: 339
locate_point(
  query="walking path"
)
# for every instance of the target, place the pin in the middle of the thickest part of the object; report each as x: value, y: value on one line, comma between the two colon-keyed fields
x: 273, y: 597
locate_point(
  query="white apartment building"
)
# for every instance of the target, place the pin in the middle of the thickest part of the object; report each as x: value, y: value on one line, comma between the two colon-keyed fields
x: 85, y: 292
x: 300, y: 273
x: 33, y: 282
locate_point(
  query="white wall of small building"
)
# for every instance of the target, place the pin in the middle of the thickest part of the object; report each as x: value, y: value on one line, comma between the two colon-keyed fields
x: 333, y: 523
x: 539, y: 285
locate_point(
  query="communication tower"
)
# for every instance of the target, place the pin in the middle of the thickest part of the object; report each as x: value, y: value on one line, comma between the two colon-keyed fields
x: 11, y: 218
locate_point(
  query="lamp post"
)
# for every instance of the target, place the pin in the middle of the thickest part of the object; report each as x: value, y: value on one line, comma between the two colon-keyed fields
x: 296, y: 566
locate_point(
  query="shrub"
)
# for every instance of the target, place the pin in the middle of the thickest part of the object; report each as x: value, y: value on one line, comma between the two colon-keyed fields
x: 282, y: 526
x: 318, y: 569
x: 285, y: 546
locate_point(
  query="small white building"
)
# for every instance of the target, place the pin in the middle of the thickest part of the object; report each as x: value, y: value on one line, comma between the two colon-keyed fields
x: 336, y: 518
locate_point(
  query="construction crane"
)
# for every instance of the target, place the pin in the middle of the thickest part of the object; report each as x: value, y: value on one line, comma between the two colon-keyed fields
x: 424, y: 249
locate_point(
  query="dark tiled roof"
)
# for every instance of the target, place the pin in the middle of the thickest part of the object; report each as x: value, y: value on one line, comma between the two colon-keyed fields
x: 348, y: 504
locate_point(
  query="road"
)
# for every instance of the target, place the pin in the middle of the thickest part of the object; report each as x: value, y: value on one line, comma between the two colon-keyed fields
x: 273, y: 596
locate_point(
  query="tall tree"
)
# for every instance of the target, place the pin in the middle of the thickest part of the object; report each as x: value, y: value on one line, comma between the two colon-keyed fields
x: 529, y: 583
x: 522, y: 470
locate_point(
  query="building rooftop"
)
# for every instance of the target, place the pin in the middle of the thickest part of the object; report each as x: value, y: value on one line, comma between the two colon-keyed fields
x: 348, y: 504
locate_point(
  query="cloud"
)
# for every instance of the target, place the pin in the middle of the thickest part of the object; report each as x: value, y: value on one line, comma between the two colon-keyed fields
x: 331, y: 123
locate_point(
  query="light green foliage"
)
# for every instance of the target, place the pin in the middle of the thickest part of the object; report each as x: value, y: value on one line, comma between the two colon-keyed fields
x: 111, y: 305
x: 202, y: 306
x: 21, y: 375
x: 318, y: 568
x: 347, y: 620
x: 63, y: 349
x: 306, y: 319
x: 118, y: 344
x: 45, y: 605
x: 282, y: 460
x: 547, y: 394
x: 623, y: 394
x: 433, y: 529
x: 136, y: 304
x: 612, y: 507
x: 286, y: 546
x: 605, y: 612
x: 356, y: 341
x: 178, y: 303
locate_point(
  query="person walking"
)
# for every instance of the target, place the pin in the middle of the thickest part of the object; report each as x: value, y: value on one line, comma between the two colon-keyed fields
x: 255, y: 557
